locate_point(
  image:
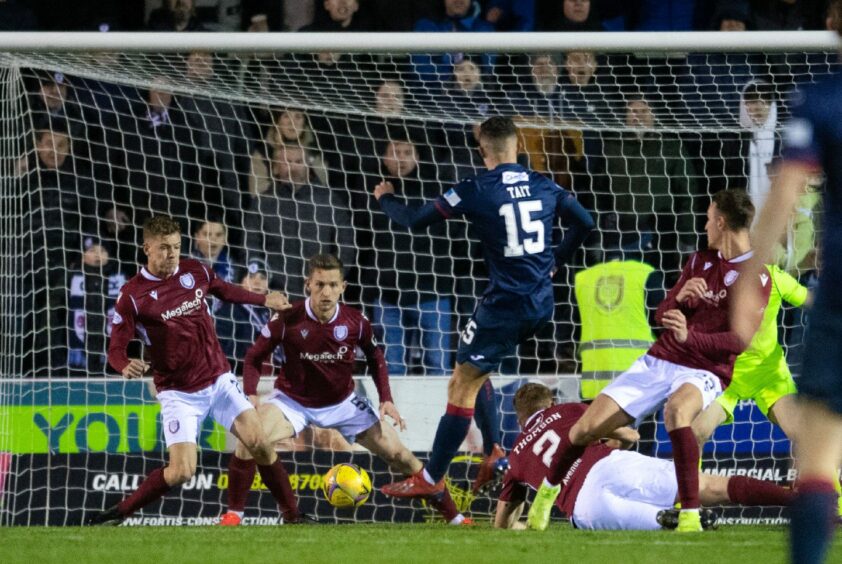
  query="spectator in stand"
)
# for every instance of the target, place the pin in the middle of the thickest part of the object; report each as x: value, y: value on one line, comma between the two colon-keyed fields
x: 665, y: 15
x: 269, y: 15
x: 467, y: 96
x: 649, y: 183
x: 575, y: 15
x: 434, y: 71
x: 93, y: 285
x: 761, y: 140
x: 175, y: 15
x: 343, y: 15
x: 588, y: 96
x: 511, y: 15
x: 210, y: 247
x: 408, y: 276
x: 541, y: 91
x: 297, y: 218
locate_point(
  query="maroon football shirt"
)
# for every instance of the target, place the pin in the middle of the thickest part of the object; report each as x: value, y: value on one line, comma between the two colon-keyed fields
x: 172, y: 318
x: 537, y: 445
x: 710, y: 345
x: 319, y: 357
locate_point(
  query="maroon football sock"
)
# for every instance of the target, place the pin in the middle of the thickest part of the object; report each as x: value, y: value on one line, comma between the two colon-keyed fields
x: 445, y: 505
x: 685, y: 453
x: 277, y: 480
x: 152, y: 488
x: 566, y: 455
x: 240, y: 478
x: 749, y: 491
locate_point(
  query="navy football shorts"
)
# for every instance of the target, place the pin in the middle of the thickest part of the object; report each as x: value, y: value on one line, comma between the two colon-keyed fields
x: 492, y: 334
x: 821, y: 375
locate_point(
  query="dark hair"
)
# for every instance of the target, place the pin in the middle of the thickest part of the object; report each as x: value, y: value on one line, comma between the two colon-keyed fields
x: 531, y: 398
x: 834, y: 12
x: 759, y: 91
x: 736, y: 207
x: 325, y: 262
x: 160, y: 226
x: 496, y: 131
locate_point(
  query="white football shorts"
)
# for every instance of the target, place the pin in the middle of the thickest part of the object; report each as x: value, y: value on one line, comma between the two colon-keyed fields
x: 182, y: 413
x: 350, y: 417
x: 624, y: 491
x: 646, y: 385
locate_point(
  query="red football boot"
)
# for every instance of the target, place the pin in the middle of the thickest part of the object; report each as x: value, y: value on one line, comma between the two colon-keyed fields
x: 230, y: 519
x: 488, y: 469
x: 414, y: 486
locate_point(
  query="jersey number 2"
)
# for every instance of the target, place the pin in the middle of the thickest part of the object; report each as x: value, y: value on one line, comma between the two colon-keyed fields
x: 530, y: 245
x: 549, y: 441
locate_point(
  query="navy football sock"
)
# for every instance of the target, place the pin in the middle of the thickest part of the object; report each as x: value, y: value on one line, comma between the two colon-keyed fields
x: 812, y: 520
x: 485, y: 414
x: 453, y: 428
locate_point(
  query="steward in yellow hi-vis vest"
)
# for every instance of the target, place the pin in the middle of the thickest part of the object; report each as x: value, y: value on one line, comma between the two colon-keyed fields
x: 613, y: 298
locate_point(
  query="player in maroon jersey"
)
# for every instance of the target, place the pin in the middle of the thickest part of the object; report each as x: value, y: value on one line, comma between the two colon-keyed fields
x: 686, y: 368
x: 165, y: 306
x: 606, y: 488
x: 319, y: 337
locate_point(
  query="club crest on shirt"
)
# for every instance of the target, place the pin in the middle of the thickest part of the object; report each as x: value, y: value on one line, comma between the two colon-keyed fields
x: 305, y: 332
x: 173, y: 426
x: 340, y: 332
x: 117, y: 319
x: 731, y: 277
x: 707, y: 265
x: 187, y: 280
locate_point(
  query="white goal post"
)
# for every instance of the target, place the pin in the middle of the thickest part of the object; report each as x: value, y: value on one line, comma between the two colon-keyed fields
x: 265, y: 146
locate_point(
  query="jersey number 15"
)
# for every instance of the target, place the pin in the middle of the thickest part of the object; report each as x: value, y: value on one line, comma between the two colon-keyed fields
x: 515, y: 247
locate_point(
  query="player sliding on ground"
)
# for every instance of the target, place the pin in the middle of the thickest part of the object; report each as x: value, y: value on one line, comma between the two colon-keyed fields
x: 319, y: 337
x: 812, y: 143
x: 686, y: 368
x: 607, y: 488
x: 513, y: 212
x: 165, y: 306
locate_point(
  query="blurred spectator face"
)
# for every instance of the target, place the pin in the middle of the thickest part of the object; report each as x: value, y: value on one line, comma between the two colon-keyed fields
x: 159, y: 99
x: 53, y: 94
x: 577, y: 10
x: 53, y: 148
x: 290, y: 165
x: 181, y: 11
x: 639, y: 114
x: 291, y: 125
x: 732, y: 25
x: 580, y: 67
x: 388, y: 99
x: 95, y: 255
x: 467, y: 75
x: 257, y: 283
x: 400, y: 158
x: 210, y: 239
x: 544, y: 71
x: 199, y: 65
x: 456, y: 8
x: 342, y: 11
x: 758, y: 110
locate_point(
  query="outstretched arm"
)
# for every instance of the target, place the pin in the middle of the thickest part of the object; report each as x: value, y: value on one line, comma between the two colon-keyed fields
x: 233, y: 293
x: 578, y: 223
x: 411, y: 218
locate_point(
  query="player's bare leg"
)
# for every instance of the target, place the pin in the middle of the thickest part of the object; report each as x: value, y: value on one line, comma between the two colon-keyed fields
x: 602, y: 416
x: 179, y: 469
x: 462, y: 390
x: 681, y: 409
x: 248, y: 429
x: 241, y: 465
x: 785, y: 414
x: 706, y: 423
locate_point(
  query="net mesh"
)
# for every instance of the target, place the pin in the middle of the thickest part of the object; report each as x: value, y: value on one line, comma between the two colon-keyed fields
x: 267, y: 159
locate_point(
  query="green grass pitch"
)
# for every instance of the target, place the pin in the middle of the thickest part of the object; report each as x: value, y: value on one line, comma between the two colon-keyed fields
x: 346, y: 544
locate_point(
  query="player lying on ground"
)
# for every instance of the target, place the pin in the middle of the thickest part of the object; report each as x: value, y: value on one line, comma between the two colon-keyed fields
x: 812, y: 143
x: 686, y: 368
x: 165, y: 306
x: 319, y: 337
x: 606, y: 488
x: 513, y: 212
x: 761, y: 373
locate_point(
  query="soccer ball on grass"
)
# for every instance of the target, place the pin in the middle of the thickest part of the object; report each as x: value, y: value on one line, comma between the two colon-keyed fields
x: 346, y: 485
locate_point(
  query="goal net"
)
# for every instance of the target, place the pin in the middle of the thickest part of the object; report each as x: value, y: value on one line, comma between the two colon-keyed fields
x: 267, y: 149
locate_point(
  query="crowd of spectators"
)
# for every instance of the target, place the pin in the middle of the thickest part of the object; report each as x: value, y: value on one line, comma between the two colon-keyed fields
x: 642, y: 141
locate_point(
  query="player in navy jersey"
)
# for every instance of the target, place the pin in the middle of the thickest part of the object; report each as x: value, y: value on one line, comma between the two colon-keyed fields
x: 513, y: 212
x: 319, y: 337
x: 812, y: 143
x: 165, y: 305
x: 687, y: 367
x: 606, y: 488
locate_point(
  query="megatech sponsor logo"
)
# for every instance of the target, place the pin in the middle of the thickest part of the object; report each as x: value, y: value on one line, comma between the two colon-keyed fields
x: 186, y: 306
